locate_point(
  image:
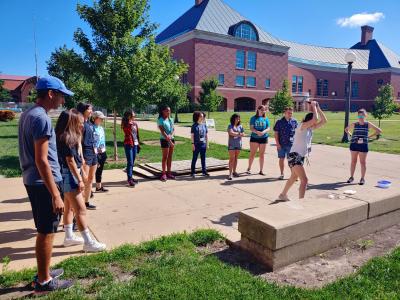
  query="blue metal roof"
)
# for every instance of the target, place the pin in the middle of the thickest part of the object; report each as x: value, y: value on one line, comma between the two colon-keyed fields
x: 380, y: 56
x: 211, y: 16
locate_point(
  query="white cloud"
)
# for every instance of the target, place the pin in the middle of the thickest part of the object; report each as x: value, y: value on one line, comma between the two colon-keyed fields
x: 360, y: 19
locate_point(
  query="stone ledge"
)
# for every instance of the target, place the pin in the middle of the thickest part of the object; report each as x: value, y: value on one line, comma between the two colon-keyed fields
x: 276, y: 259
x: 278, y: 226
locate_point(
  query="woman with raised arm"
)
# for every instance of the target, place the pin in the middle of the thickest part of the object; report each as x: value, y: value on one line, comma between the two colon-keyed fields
x: 69, y: 134
x: 259, y: 127
x: 301, y: 149
x: 359, y: 132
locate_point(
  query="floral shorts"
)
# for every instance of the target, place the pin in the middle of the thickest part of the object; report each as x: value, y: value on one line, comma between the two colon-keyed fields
x: 295, y: 159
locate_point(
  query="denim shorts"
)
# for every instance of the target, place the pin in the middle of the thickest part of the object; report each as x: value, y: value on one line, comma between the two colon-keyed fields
x: 284, y: 151
x: 70, y: 182
x: 90, y: 157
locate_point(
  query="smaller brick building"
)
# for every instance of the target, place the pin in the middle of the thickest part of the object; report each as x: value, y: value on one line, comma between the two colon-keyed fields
x: 251, y: 64
x: 19, y: 86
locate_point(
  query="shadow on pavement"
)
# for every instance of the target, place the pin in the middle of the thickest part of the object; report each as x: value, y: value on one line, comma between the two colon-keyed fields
x: 10, y: 236
x: 229, y: 219
x: 15, y: 201
x: 24, y: 215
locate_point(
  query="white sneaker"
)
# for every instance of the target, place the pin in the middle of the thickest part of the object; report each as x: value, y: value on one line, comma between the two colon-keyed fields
x: 73, y: 241
x: 94, y: 246
x: 283, y: 198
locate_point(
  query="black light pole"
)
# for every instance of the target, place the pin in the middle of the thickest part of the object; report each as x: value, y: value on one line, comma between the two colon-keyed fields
x: 350, y: 59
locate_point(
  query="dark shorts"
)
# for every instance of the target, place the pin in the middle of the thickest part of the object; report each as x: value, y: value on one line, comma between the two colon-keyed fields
x: 90, y: 158
x: 284, y: 152
x: 359, y: 147
x: 295, y: 159
x: 233, y: 148
x: 70, y: 183
x: 259, y: 140
x: 165, y: 143
x: 46, y: 221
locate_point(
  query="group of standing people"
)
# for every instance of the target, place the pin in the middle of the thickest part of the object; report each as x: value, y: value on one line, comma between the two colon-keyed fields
x: 59, y: 165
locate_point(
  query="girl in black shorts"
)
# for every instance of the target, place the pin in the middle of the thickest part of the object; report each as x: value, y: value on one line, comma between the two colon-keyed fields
x: 359, y: 132
x: 89, y: 154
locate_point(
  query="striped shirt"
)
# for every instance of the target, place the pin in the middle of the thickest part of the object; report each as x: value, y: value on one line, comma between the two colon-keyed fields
x: 360, y: 132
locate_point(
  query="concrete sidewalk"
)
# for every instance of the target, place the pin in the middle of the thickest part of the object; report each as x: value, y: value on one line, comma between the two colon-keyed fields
x: 154, y: 208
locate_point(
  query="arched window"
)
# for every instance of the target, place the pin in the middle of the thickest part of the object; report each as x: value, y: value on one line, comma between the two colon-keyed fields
x: 246, y: 31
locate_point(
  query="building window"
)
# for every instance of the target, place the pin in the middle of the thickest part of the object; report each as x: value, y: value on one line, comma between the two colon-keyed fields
x: 319, y: 87
x: 379, y: 82
x: 240, y: 56
x: 268, y: 83
x: 294, y: 84
x: 221, y: 79
x: 251, y: 61
x: 325, y: 88
x: 246, y: 31
x: 300, y: 84
x: 251, y: 81
x: 185, y: 78
x: 354, y: 89
x: 239, y: 80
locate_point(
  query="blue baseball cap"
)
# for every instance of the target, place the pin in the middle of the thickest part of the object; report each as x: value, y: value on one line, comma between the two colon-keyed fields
x: 52, y: 83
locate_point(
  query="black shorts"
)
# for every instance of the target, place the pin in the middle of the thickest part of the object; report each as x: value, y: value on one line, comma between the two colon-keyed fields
x: 295, y: 159
x: 90, y: 158
x: 46, y: 221
x: 259, y: 140
x: 165, y: 143
x: 359, y: 147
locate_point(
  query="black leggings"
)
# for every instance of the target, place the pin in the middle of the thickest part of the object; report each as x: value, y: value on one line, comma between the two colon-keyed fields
x: 101, y: 158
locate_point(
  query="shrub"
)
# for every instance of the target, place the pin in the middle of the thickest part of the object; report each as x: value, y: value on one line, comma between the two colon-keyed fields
x: 6, y: 115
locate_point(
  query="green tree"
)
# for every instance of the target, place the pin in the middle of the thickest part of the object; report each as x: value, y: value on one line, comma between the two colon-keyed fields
x: 210, y: 99
x: 384, y: 105
x: 66, y: 64
x: 4, y: 94
x: 32, y: 95
x: 120, y: 60
x: 282, y: 99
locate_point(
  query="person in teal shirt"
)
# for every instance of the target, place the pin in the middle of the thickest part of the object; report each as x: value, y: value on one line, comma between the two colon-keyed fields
x: 166, y: 127
x: 259, y: 127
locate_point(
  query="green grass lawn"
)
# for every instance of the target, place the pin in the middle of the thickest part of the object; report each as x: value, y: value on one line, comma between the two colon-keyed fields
x: 331, y: 134
x: 180, y: 267
x: 9, y: 162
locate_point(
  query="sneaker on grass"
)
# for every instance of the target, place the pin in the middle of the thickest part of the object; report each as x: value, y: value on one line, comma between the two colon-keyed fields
x: 53, y: 285
x: 56, y: 273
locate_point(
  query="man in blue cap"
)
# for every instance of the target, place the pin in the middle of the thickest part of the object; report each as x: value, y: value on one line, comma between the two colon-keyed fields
x: 42, y: 177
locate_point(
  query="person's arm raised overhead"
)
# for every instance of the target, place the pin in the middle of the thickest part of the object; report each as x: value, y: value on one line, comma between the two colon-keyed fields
x: 314, y: 120
x: 323, y: 119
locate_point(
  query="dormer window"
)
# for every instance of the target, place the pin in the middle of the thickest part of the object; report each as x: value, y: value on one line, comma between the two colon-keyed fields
x: 245, y: 30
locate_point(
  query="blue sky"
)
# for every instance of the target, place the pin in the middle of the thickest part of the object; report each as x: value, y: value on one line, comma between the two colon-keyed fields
x: 308, y: 21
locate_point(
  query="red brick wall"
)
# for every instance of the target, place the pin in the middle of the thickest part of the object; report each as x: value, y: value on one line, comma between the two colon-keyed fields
x: 395, y: 81
x: 368, y: 86
x: 207, y: 59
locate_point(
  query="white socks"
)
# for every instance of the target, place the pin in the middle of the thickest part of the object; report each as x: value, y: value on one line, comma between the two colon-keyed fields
x: 86, y: 236
x: 69, y: 231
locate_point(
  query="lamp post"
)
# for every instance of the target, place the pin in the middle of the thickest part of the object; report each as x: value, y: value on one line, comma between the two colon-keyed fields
x: 350, y: 58
x: 176, y: 77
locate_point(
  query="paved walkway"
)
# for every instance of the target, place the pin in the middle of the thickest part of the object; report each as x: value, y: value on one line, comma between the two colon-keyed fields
x: 155, y: 208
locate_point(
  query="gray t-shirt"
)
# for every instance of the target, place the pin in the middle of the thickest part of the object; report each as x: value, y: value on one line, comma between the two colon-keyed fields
x: 35, y: 124
x: 235, y: 142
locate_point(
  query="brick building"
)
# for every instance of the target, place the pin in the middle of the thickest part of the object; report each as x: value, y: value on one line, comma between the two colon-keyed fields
x: 251, y: 64
x: 19, y: 86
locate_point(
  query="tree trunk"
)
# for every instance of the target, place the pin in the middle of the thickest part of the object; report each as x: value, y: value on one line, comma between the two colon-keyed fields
x: 176, y: 116
x: 208, y: 114
x: 115, y: 136
x: 379, y: 125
